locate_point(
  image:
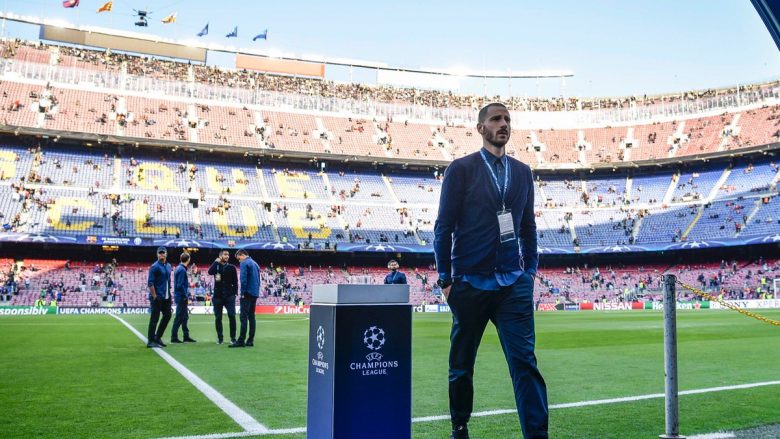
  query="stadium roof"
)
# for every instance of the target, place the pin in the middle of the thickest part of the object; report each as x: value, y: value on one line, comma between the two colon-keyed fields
x: 59, y: 30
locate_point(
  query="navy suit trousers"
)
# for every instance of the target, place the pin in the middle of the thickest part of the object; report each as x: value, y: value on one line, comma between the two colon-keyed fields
x: 512, y: 312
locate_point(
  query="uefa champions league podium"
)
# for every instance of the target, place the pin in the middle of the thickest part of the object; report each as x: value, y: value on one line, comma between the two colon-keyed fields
x: 360, y: 363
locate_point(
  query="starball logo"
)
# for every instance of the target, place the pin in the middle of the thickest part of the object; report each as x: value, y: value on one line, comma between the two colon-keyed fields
x: 319, y: 363
x: 374, y: 339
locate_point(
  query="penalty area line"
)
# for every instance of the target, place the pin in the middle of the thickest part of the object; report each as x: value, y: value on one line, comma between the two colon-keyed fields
x: 242, y: 418
x: 512, y: 411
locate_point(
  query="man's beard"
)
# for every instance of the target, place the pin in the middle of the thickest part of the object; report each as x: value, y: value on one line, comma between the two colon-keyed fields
x: 491, y: 139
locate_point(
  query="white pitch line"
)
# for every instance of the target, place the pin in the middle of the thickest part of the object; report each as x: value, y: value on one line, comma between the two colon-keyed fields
x: 713, y: 436
x: 512, y: 411
x: 242, y: 418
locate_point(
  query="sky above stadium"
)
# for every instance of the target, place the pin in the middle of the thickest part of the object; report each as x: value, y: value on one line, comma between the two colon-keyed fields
x: 614, y: 48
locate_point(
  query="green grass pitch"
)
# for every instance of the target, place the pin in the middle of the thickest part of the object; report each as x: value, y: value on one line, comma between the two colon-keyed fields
x: 90, y: 377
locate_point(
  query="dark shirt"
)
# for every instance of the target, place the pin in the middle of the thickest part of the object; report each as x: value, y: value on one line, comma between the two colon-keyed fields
x: 227, y: 285
x: 250, y: 277
x: 160, y: 277
x: 467, y: 241
x: 181, y: 284
x: 395, y: 277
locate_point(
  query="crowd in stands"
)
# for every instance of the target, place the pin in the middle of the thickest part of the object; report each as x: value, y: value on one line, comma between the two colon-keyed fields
x: 36, y: 51
x: 88, y: 284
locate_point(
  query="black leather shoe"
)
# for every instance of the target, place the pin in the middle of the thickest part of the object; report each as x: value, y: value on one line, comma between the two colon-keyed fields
x: 152, y: 345
x: 238, y: 344
x: 160, y: 342
x: 190, y: 340
x: 460, y: 432
x: 176, y: 340
x: 220, y: 341
x: 249, y: 344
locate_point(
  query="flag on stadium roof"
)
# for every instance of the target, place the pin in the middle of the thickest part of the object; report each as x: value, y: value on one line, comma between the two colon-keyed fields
x: 261, y: 36
x: 106, y: 7
x: 70, y: 3
x: 169, y: 19
x: 205, y: 31
x: 233, y: 34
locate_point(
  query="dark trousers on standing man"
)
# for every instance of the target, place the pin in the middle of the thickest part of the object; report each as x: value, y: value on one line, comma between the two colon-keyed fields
x: 159, y: 306
x: 229, y: 303
x: 181, y: 319
x: 247, y: 305
x: 511, y: 311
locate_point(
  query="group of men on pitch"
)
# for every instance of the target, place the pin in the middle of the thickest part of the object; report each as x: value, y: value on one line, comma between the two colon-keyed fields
x: 226, y: 288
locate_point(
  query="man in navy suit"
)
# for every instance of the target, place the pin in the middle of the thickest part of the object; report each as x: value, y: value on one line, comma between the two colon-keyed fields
x: 395, y: 276
x: 486, y: 257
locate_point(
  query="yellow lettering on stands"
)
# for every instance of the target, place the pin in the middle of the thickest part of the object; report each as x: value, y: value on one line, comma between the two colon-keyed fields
x: 55, y: 213
x: 155, y: 176
x: 140, y: 211
x: 301, y: 226
x: 7, y: 165
x: 249, y: 223
x: 290, y: 186
x: 236, y: 189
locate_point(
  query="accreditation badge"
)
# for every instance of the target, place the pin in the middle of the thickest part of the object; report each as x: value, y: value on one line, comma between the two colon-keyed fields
x: 218, y: 277
x: 506, y: 227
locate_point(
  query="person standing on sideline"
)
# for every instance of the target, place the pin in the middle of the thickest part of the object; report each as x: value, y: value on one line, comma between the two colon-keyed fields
x: 486, y: 257
x: 181, y: 295
x: 250, y: 291
x: 159, y: 284
x: 395, y: 276
x: 225, y: 291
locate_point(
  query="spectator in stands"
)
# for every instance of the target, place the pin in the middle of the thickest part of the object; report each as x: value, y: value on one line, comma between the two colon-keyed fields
x: 395, y: 276
x: 250, y: 291
x: 486, y: 199
x: 159, y: 284
x: 225, y: 291
x: 181, y: 294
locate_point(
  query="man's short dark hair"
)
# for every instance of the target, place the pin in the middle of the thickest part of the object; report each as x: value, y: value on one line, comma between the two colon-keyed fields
x: 483, y: 112
x: 224, y: 251
x: 242, y: 252
x: 184, y: 258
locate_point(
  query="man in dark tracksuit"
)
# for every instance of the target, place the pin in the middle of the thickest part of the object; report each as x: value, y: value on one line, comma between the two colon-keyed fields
x: 395, y: 276
x: 181, y: 295
x: 250, y: 291
x: 159, y: 284
x: 225, y: 291
x: 486, y: 256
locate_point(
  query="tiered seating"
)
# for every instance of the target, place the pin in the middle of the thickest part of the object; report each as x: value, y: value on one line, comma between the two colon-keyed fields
x: 563, y: 193
x: 652, y: 140
x: 239, y: 179
x: 766, y: 220
x: 650, y: 188
x: 602, y: 227
x: 695, y: 185
x: 720, y: 220
x: 371, y: 224
x: 155, y: 175
x: 295, y: 183
x: 519, y: 148
x: 465, y: 140
x: 605, y: 144
x: 757, y: 127
x: 17, y: 105
x: 15, y: 163
x: 291, y: 132
x: 227, y: 126
x: 234, y: 219
x: 413, y: 141
x: 665, y: 225
x: 704, y: 134
x: 82, y: 111
x: 78, y: 169
x: 416, y: 190
x: 360, y: 187
x: 352, y: 137
x: 606, y: 191
x: 157, y: 119
x: 748, y: 178
x: 298, y: 221
x: 552, y: 229
x: 561, y: 145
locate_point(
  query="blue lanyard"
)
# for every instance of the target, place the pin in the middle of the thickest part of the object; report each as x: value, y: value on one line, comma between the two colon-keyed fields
x: 393, y: 278
x: 501, y: 194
